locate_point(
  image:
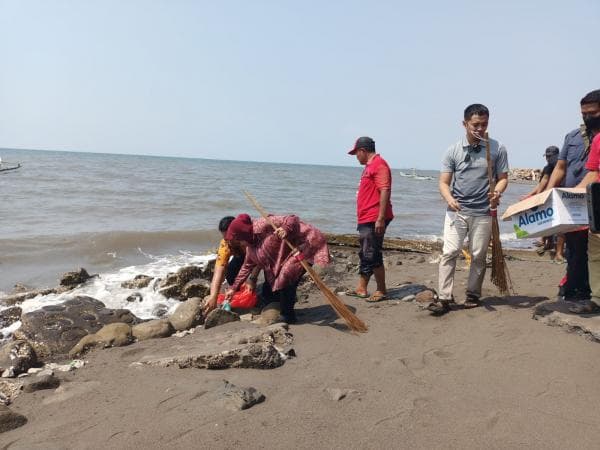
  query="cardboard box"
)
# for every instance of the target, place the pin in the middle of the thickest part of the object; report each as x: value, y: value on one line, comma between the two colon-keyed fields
x: 558, y: 210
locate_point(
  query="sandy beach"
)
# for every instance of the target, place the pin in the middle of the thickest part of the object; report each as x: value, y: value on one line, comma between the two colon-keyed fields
x: 489, y: 377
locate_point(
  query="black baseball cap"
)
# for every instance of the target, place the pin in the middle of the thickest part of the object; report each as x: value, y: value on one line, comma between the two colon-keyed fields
x: 363, y: 142
x: 552, y: 150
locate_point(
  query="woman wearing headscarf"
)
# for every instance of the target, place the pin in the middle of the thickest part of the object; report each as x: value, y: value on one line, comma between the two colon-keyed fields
x: 267, y: 250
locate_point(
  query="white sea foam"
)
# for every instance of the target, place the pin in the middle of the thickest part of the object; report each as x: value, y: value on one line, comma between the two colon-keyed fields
x: 107, y: 288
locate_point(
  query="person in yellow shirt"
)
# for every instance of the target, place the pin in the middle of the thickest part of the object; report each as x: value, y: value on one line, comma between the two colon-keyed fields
x: 230, y: 258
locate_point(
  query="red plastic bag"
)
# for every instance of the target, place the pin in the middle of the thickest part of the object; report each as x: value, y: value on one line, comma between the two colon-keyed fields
x: 243, y: 298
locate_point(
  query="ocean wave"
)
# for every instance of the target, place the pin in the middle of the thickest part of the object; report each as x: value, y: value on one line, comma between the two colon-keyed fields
x: 107, y: 244
x: 106, y: 287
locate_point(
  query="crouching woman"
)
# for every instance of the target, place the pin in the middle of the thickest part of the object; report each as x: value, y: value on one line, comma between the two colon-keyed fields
x: 267, y: 250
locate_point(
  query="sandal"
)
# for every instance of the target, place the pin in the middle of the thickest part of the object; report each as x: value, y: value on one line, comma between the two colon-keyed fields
x: 588, y: 308
x: 439, y: 308
x: 377, y: 297
x: 355, y: 293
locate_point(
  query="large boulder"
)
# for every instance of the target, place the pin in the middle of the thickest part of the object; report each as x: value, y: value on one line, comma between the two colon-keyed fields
x: 138, y: 282
x: 187, y: 315
x: 17, y: 357
x: 10, y: 420
x: 73, y: 279
x: 111, y: 335
x: 55, y: 329
x: 175, y: 285
x: 157, y: 328
x: 219, y: 317
x: 196, y: 288
x: 48, y: 381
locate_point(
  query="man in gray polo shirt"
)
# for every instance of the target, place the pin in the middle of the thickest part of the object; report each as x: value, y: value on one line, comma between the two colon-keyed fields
x: 465, y: 186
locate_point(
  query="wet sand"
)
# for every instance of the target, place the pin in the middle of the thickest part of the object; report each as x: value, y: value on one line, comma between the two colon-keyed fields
x: 489, y: 377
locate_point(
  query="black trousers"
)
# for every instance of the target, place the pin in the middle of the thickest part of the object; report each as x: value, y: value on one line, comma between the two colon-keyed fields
x: 286, y: 297
x: 578, y: 277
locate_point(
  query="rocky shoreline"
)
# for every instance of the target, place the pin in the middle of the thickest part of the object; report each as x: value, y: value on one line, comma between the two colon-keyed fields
x: 54, y: 341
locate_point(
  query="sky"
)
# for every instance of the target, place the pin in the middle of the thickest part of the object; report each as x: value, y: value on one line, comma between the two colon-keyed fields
x: 290, y: 81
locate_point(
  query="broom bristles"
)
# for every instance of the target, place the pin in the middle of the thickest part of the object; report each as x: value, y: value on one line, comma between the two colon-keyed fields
x: 500, y: 276
x: 338, y: 306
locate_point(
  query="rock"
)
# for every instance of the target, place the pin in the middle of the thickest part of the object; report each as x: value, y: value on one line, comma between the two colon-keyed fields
x: 8, y: 373
x: 270, y: 314
x: 21, y: 297
x: 187, y: 315
x: 9, y: 390
x: 72, y: 279
x: 138, y: 282
x: 73, y: 365
x: 152, y: 329
x: 175, y: 285
x: 219, y: 317
x: 9, y: 316
x: 160, y: 310
x: 171, y: 291
x: 425, y: 297
x: 250, y: 347
x: 45, y: 372
x: 420, y: 260
x: 34, y: 370
x: 40, y: 383
x: 405, y: 290
x: 336, y: 394
x: 17, y: 356
x: 55, y: 329
x: 137, y: 297
x: 112, y: 335
x: 235, y: 398
x: 196, y: 288
x: 9, y: 420
x: 20, y: 288
x: 557, y: 314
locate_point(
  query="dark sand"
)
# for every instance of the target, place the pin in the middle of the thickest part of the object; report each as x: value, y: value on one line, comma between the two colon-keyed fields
x: 484, y: 378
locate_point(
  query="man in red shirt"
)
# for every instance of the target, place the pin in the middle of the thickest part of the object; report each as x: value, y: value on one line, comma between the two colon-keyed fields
x: 374, y: 213
x: 593, y: 175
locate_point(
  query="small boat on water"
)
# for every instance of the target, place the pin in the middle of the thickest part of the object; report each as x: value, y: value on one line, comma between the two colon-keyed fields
x: 7, y: 166
x: 415, y: 175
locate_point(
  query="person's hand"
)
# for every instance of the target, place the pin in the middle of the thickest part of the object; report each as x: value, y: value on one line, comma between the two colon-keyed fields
x: 494, y: 199
x: 228, y: 295
x: 210, y: 304
x: 453, y: 204
x: 379, y: 227
x: 280, y: 232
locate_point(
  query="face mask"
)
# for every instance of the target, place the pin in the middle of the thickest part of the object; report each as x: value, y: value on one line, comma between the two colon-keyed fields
x: 592, y: 123
x: 552, y: 159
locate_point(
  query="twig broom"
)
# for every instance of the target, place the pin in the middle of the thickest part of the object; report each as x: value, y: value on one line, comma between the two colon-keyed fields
x: 338, y: 306
x: 500, y: 276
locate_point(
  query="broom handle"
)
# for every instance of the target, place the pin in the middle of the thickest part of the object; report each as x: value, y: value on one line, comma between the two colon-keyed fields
x: 488, y: 155
x: 265, y: 215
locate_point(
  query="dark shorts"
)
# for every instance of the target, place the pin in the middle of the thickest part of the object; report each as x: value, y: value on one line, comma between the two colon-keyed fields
x: 370, y: 253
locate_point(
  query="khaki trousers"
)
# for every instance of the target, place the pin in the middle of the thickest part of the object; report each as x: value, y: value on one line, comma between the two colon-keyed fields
x: 594, y: 266
x: 457, y: 227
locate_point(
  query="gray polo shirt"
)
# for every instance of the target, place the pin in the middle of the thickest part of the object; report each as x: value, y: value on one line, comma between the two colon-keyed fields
x: 468, y: 166
x: 575, y: 154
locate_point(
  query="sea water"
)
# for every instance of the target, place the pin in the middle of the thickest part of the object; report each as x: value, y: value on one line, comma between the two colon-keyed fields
x: 121, y: 215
